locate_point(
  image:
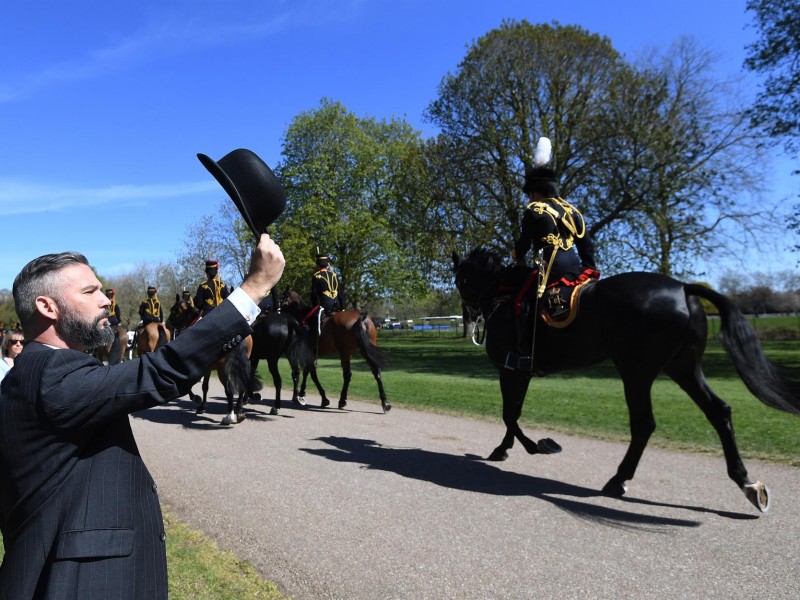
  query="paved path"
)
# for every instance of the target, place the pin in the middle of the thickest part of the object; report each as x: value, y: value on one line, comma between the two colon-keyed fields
x: 359, y: 505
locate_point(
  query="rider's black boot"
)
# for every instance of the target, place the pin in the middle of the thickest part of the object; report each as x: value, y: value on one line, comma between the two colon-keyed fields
x: 522, y: 359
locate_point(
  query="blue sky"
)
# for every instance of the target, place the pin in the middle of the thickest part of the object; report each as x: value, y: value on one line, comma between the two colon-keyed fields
x: 104, y: 105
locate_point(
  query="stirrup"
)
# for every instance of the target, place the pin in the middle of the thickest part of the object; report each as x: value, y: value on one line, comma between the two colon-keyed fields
x: 515, y: 362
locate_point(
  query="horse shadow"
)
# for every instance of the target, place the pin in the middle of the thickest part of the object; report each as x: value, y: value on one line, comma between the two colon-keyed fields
x: 472, y: 473
x: 182, y: 412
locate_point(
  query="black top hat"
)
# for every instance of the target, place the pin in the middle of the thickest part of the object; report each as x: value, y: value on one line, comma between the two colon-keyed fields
x: 251, y: 184
x: 541, y: 180
x: 212, y: 264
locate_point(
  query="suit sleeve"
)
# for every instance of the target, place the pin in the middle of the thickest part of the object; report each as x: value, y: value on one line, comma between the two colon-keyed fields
x: 79, y: 391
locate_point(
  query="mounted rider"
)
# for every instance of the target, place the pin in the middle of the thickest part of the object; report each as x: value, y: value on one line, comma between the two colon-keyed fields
x: 120, y: 332
x: 325, y: 296
x: 271, y: 302
x: 212, y: 291
x: 150, y: 308
x: 115, y: 314
x: 557, y: 232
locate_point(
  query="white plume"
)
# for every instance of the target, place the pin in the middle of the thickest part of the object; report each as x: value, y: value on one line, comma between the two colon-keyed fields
x: 543, y: 152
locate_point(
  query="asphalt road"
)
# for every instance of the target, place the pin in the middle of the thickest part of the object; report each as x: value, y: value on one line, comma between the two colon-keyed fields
x: 358, y: 505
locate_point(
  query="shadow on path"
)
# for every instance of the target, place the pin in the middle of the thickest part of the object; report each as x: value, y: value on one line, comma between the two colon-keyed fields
x: 473, y: 474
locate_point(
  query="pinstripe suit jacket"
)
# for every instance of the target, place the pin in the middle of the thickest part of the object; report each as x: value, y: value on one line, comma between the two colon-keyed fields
x: 79, y: 512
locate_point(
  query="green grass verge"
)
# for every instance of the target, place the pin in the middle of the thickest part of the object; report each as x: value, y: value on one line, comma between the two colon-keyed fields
x: 442, y: 373
x: 198, y: 570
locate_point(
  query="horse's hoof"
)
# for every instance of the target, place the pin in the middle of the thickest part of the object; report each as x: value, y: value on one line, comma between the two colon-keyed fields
x: 274, y: 411
x: 256, y: 397
x: 342, y: 404
x: 240, y: 417
x: 386, y: 407
x: 498, y: 455
x: 758, y: 494
x: 200, y: 411
x: 615, y: 489
x: 325, y: 403
x: 548, y: 446
x: 300, y: 400
x: 227, y: 420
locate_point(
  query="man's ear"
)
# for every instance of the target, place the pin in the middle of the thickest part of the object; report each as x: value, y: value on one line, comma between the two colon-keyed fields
x: 47, y: 307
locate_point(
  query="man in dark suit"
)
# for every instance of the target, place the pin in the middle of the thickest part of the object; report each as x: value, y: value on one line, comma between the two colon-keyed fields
x: 79, y: 512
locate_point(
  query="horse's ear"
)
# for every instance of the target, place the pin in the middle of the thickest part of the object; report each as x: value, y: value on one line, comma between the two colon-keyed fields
x: 456, y: 260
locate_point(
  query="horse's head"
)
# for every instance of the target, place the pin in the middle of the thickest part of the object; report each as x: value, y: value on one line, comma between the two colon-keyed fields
x: 291, y: 301
x: 182, y: 314
x: 475, y: 275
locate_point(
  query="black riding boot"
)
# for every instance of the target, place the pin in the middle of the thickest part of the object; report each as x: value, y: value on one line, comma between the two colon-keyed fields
x: 522, y: 359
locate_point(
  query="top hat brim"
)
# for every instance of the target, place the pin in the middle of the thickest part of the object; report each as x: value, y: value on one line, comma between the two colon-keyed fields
x: 211, y: 165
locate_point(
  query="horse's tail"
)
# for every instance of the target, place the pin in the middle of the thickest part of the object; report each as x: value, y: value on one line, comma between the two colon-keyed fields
x: 299, y: 350
x: 374, y: 355
x: 242, y: 379
x: 739, y: 339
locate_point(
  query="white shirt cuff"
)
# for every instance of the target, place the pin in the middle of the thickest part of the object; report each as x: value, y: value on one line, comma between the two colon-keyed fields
x: 244, y: 304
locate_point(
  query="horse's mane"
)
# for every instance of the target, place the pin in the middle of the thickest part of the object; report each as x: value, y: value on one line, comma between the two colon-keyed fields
x: 488, y: 259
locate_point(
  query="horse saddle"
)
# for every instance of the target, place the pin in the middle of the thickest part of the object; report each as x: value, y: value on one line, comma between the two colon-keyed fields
x: 560, y: 303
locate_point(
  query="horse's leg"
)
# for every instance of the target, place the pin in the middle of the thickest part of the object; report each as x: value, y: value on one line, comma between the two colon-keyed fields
x: 692, y: 381
x: 235, y: 414
x: 513, y: 387
x: 202, y: 408
x: 296, y: 397
x: 376, y: 373
x: 347, y: 375
x: 276, y: 381
x: 254, y: 396
x: 642, y: 425
x: 312, y: 370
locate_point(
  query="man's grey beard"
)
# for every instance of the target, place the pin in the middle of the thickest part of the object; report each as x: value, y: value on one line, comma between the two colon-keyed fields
x: 88, y: 335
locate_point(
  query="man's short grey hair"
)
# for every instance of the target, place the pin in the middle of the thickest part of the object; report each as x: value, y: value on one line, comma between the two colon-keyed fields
x: 40, y: 278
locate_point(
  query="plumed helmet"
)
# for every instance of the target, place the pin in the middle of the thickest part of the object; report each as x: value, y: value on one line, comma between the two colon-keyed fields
x: 251, y: 184
x: 539, y: 178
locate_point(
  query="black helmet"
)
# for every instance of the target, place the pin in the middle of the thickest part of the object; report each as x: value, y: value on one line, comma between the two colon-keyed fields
x: 541, y: 180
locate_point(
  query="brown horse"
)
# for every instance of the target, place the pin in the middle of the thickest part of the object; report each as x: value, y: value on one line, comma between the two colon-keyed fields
x: 342, y: 333
x: 113, y: 352
x: 233, y: 369
x: 151, y: 337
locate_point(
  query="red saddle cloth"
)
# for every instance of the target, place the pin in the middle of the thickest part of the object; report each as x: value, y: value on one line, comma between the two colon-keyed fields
x: 559, y: 305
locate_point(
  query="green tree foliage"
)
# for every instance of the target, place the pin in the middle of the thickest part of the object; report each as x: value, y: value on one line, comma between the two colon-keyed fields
x: 775, y: 54
x: 646, y: 151
x: 343, y: 175
x: 516, y: 83
x: 668, y: 154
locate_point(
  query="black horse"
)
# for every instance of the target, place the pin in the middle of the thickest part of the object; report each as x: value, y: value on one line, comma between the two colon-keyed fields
x: 276, y: 335
x: 233, y: 368
x: 645, y: 324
